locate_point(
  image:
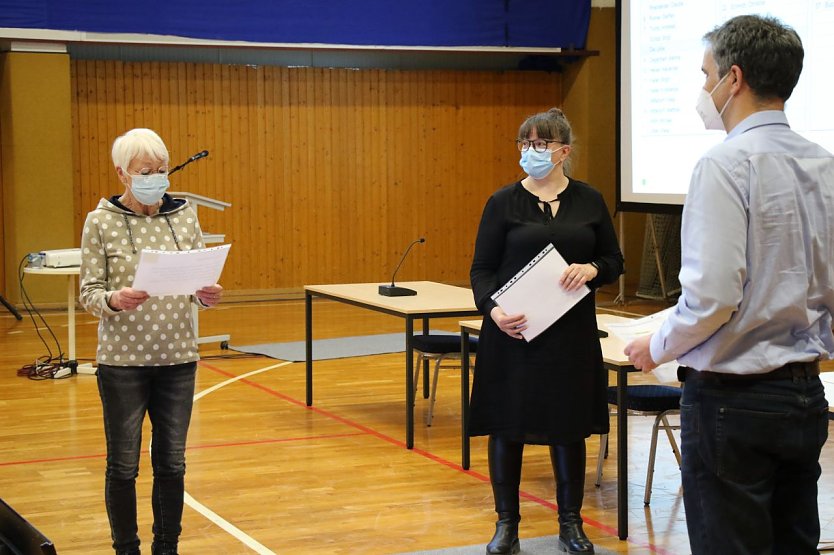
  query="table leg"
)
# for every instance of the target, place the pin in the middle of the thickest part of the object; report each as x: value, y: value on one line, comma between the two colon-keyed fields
x: 409, y: 383
x: 308, y: 344
x: 425, y: 363
x: 464, y: 399
x: 622, y: 453
x: 71, y: 315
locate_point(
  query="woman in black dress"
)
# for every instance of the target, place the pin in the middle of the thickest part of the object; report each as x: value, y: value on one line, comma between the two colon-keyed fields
x: 552, y: 390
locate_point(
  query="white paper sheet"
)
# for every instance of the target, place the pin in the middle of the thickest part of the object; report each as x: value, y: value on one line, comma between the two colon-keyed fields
x: 648, y: 325
x: 179, y: 272
x: 536, y: 293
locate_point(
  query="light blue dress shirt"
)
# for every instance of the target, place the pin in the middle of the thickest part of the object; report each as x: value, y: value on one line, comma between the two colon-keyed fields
x: 757, y: 254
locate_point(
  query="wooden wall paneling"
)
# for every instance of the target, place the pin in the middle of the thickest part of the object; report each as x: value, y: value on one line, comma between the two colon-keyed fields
x: 77, y: 146
x: 335, y: 172
x: 336, y: 137
x: 155, y: 82
x: 196, y: 138
x: 183, y: 140
x: 295, y: 209
x: 214, y: 165
x: 374, y: 215
x: 258, y: 149
x: 182, y: 116
x: 266, y: 166
x: 235, y: 170
x: 208, y: 138
x: 310, y: 232
x: 286, y: 257
x: 248, y: 111
x: 322, y: 194
x: 365, y: 242
x: 380, y: 183
x: 331, y: 172
x: 101, y: 139
x: 412, y: 145
x: 171, y: 107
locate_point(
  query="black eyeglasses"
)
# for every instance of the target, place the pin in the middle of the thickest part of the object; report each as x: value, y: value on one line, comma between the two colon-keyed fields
x: 539, y: 145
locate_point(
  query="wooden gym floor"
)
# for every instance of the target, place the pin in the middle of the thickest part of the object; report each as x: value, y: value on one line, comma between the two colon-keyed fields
x: 265, y: 470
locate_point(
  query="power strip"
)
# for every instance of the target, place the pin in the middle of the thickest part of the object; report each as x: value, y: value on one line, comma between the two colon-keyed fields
x: 61, y: 372
x: 86, y: 368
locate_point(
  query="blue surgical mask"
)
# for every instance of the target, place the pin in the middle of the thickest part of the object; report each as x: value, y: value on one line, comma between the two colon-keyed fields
x: 148, y: 189
x: 537, y: 165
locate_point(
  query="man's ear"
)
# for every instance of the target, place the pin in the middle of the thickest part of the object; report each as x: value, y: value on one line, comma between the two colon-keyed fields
x: 737, y: 76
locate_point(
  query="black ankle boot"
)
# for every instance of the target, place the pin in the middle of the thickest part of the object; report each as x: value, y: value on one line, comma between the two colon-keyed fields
x: 163, y: 548
x: 571, y: 536
x: 569, y: 470
x: 505, y: 540
x: 505, y: 475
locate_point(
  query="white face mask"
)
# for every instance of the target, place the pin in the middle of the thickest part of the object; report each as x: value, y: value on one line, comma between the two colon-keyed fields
x: 707, y: 110
x: 148, y: 189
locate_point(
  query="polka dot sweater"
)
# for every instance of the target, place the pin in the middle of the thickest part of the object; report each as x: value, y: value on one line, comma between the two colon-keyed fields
x: 159, y: 332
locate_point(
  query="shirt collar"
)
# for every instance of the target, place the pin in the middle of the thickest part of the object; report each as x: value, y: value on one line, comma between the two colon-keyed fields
x: 758, y: 119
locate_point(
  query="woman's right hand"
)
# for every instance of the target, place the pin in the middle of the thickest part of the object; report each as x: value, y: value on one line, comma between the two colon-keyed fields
x: 127, y: 298
x: 512, y: 324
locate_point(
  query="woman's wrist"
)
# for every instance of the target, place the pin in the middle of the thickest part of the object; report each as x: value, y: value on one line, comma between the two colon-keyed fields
x: 595, y: 266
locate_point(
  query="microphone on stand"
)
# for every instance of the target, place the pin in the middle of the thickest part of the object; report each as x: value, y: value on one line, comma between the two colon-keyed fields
x: 393, y: 290
x: 194, y: 158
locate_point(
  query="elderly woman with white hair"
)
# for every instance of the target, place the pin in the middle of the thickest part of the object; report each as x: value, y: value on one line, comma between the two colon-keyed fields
x: 147, y: 347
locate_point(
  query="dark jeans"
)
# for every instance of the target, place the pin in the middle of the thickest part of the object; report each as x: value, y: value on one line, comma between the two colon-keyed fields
x: 751, y: 464
x: 166, y: 393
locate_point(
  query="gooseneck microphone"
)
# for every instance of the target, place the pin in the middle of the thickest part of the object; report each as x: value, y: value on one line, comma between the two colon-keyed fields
x: 194, y: 158
x: 393, y: 290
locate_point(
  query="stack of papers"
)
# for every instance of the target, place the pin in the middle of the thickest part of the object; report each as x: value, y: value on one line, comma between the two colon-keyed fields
x: 162, y: 273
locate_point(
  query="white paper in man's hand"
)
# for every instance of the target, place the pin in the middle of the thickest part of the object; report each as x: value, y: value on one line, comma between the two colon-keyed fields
x: 162, y: 273
x: 640, y: 327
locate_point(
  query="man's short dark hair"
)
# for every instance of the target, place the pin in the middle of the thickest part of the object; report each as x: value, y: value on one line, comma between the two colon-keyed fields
x: 768, y: 52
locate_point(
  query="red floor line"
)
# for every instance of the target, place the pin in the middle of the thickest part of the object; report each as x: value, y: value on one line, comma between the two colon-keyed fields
x: 189, y: 448
x: 270, y: 441
x: 431, y: 456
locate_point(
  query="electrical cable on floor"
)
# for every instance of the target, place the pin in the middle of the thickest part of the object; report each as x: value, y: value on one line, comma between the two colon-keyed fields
x: 47, y: 366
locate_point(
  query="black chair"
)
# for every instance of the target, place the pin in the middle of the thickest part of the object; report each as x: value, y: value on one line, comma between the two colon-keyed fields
x: 659, y: 400
x: 437, y: 348
x: 19, y: 537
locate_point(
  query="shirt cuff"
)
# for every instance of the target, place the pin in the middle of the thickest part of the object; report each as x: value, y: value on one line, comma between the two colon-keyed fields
x: 107, y: 309
x: 656, y: 349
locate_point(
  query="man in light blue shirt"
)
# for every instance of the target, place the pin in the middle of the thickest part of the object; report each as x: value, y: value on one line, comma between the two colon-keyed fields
x: 755, y: 312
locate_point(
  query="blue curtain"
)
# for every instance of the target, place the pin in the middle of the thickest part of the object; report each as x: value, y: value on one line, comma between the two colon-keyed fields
x: 529, y: 23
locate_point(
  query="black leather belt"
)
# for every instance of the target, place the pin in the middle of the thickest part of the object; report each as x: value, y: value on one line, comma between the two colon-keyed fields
x: 788, y: 371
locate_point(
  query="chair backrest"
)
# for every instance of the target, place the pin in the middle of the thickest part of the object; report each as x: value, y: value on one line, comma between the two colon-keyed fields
x: 649, y: 397
x: 19, y: 537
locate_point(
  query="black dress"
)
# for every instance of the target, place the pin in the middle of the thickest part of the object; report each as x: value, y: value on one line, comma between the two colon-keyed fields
x: 551, y: 390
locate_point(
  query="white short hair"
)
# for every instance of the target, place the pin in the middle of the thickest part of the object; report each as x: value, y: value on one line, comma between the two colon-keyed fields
x: 135, y: 143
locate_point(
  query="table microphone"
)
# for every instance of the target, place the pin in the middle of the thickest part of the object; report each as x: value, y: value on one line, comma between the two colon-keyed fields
x: 393, y: 290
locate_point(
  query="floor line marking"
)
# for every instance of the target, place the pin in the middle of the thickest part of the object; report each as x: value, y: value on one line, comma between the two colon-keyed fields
x: 431, y: 456
x: 188, y: 448
x: 236, y: 532
x: 210, y: 515
x: 215, y: 387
